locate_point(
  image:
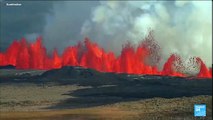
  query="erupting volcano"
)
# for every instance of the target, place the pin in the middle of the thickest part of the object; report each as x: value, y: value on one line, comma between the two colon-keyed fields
x: 142, y: 60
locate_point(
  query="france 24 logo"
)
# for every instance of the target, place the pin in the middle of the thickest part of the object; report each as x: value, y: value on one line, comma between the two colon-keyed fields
x: 199, y: 110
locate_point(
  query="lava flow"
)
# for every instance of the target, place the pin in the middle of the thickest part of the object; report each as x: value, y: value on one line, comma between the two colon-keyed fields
x: 26, y: 55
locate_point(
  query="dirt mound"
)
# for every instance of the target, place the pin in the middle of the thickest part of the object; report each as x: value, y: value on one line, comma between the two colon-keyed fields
x: 72, y: 72
x: 7, y: 67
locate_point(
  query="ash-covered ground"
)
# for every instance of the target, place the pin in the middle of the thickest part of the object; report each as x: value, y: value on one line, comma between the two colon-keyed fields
x: 79, y: 93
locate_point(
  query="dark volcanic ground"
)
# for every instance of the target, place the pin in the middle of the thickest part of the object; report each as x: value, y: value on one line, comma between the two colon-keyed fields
x: 77, y: 88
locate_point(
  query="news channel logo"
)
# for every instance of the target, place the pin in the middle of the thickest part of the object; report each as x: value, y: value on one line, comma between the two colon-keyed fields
x: 200, y: 110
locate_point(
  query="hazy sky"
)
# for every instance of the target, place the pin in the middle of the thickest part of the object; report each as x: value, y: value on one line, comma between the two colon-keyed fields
x: 18, y: 21
x: 183, y: 27
x: 32, y: 19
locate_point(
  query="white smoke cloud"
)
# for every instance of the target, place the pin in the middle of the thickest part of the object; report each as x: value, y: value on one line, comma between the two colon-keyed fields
x: 32, y: 36
x: 64, y: 25
x: 179, y: 27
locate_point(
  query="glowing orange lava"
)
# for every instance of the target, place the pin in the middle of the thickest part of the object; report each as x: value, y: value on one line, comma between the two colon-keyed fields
x: 26, y: 55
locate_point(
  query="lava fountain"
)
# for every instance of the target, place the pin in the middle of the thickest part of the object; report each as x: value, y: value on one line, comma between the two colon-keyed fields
x: 25, y: 55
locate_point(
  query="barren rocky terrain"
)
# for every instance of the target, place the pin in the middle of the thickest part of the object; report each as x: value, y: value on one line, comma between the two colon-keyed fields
x: 84, y: 94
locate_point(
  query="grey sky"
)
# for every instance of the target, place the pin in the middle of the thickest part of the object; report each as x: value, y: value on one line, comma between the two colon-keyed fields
x: 63, y: 20
x: 17, y: 21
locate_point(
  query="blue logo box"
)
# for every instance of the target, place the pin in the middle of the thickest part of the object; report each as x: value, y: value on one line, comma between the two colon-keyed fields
x: 199, y: 110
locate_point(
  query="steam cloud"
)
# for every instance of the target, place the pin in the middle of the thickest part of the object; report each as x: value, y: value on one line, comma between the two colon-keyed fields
x: 182, y: 27
x: 63, y: 27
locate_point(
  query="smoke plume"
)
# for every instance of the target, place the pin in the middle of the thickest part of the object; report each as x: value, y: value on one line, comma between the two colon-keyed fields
x: 64, y: 25
x: 179, y: 27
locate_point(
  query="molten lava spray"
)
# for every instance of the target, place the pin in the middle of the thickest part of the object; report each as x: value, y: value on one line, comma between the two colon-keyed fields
x: 26, y: 55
